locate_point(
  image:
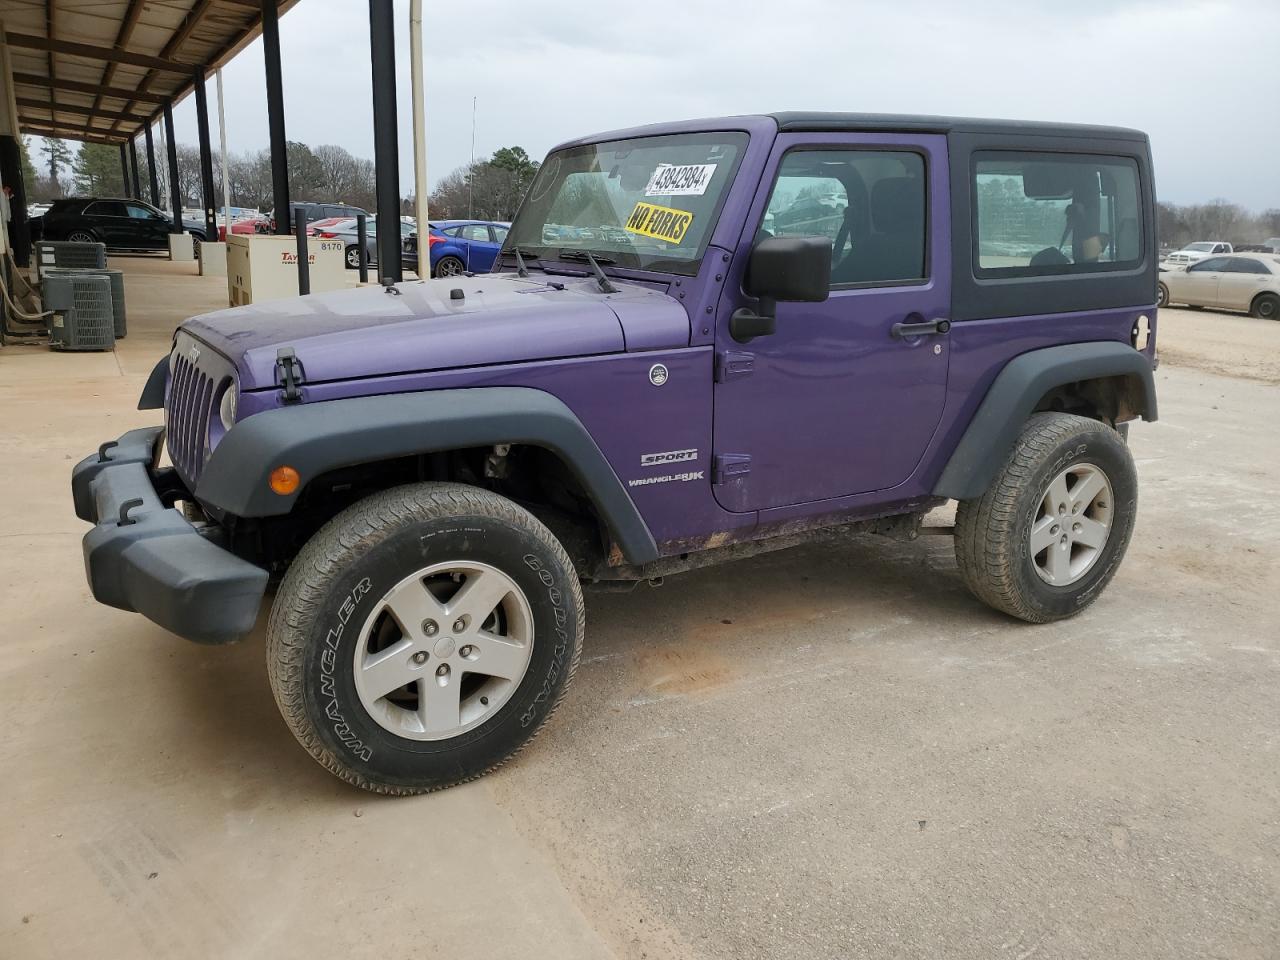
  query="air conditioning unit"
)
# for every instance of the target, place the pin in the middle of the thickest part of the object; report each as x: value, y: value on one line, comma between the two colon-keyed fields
x: 117, y: 291
x: 82, y: 317
x: 63, y: 253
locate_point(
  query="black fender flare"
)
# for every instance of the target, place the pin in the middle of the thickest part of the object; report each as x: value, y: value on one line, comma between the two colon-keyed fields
x: 153, y: 392
x: 1013, y: 396
x: 315, y: 438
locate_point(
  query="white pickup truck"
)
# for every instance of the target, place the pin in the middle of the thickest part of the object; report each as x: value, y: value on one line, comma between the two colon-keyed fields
x: 1195, y: 252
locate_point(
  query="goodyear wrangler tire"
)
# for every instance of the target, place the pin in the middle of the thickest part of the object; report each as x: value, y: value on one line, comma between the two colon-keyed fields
x: 423, y: 636
x: 1050, y: 531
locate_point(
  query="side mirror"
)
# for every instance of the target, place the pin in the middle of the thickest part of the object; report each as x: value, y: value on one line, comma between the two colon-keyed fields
x: 790, y: 269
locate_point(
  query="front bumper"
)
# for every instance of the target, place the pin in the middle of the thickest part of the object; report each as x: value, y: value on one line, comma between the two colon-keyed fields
x: 144, y: 556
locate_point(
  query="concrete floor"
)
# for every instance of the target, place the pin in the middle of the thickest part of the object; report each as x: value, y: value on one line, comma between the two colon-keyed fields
x: 820, y: 753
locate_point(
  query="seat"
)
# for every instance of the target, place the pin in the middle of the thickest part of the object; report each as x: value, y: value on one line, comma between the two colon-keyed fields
x: 895, y: 249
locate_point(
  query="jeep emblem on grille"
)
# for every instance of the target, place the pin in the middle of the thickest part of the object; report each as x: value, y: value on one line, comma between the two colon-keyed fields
x: 194, y: 354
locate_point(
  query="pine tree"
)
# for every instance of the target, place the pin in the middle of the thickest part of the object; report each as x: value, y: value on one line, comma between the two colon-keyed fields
x: 29, y: 174
x: 97, y: 171
x: 59, y: 156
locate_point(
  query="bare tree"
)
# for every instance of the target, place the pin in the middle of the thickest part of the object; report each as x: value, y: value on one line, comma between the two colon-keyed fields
x: 189, y: 175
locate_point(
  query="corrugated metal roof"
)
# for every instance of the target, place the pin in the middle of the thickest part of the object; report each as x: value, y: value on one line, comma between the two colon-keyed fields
x: 102, y: 71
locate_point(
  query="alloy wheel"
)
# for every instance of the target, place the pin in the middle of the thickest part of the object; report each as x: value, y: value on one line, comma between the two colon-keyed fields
x: 1072, y: 524
x: 444, y: 650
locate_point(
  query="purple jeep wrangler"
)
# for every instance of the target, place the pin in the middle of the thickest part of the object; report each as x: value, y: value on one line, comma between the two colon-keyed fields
x: 700, y: 341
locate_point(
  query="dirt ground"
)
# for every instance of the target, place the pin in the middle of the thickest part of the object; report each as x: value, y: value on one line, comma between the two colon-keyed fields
x: 820, y: 753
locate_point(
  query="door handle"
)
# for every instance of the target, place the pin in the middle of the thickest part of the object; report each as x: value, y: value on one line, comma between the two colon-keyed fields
x: 918, y: 328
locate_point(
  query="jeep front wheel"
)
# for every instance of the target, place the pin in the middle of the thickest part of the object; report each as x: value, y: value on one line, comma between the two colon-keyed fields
x: 1054, y: 524
x: 423, y: 636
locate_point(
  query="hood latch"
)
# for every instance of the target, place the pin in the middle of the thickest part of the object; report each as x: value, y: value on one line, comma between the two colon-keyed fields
x: 289, y: 374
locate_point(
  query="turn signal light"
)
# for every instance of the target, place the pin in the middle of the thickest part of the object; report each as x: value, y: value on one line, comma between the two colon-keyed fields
x: 284, y: 480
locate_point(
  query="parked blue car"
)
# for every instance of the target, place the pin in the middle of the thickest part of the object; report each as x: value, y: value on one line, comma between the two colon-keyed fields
x: 462, y: 246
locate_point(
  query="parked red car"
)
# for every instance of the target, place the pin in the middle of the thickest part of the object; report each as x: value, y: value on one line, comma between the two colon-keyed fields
x: 247, y: 225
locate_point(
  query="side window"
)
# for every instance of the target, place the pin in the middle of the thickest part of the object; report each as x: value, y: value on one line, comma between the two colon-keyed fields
x: 475, y: 231
x: 500, y: 233
x: 451, y: 231
x: 869, y: 203
x: 137, y: 212
x: 1046, y: 214
x: 105, y: 208
x: 1212, y: 265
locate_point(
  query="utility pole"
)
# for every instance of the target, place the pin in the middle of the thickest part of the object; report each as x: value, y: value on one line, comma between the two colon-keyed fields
x: 471, y: 170
x: 226, y: 178
x: 419, y: 126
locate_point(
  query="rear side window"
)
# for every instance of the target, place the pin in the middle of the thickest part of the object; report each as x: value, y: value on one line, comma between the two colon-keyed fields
x: 1245, y: 265
x: 1046, y: 214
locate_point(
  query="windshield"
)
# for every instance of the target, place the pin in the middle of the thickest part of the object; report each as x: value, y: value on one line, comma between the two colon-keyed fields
x: 1199, y: 247
x: 648, y: 203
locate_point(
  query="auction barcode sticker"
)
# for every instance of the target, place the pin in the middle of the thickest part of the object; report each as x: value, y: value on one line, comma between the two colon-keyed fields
x: 661, y: 223
x: 683, y: 180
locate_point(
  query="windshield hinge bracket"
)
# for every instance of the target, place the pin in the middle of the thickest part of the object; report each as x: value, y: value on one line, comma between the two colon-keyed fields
x: 732, y: 364
x: 729, y: 466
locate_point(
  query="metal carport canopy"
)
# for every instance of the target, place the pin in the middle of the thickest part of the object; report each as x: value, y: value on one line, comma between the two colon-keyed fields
x: 102, y: 71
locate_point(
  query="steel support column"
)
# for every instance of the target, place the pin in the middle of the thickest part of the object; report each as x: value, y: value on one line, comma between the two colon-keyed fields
x: 133, y: 162
x: 206, y: 159
x: 171, y: 149
x: 275, y: 116
x: 153, y: 175
x: 382, y: 44
x: 124, y: 169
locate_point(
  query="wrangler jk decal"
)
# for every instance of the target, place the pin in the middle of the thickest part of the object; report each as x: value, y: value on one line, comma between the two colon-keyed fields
x: 667, y: 478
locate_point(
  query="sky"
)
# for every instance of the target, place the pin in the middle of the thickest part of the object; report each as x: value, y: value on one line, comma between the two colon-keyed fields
x: 1200, y: 76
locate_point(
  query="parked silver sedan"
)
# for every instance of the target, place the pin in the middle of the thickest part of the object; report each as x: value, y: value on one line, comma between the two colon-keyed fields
x: 1242, y: 281
x: 347, y: 231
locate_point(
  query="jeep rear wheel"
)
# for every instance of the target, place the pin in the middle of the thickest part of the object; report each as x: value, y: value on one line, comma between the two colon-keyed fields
x: 423, y: 636
x: 1053, y: 526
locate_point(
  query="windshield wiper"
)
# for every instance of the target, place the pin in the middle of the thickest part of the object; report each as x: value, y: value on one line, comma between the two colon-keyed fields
x: 522, y: 261
x: 521, y: 269
x: 601, y: 279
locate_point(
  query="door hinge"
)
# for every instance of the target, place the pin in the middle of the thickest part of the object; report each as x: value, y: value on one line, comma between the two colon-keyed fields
x: 731, y: 364
x: 730, y: 466
x: 289, y: 374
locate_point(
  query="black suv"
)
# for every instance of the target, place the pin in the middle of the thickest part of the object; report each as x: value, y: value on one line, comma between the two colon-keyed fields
x: 120, y: 224
x: 311, y: 212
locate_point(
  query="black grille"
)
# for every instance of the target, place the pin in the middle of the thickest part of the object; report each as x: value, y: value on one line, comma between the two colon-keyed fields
x: 189, y: 407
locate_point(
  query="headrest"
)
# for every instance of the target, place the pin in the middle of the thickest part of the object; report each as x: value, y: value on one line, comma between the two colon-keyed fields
x: 897, y: 205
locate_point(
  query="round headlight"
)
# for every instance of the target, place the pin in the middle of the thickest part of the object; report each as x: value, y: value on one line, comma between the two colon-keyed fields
x: 227, y: 408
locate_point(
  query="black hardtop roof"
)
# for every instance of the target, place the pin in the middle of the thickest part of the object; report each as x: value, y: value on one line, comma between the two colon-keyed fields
x: 826, y: 122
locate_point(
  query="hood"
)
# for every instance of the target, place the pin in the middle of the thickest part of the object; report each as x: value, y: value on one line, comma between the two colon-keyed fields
x: 499, y: 318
